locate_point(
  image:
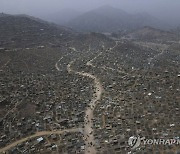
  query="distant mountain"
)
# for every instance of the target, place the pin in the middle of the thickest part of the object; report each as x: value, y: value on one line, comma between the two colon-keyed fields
x: 103, y: 19
x: 110, y: 19
x: 149, y: 33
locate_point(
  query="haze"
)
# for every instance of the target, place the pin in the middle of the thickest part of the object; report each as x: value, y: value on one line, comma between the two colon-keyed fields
x: 167, y: 10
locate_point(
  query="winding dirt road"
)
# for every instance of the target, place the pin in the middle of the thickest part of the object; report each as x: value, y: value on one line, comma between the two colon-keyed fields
x: 38, y: 134
x: 88, y: 126
x: 89, y: 113
x: 1, y: 68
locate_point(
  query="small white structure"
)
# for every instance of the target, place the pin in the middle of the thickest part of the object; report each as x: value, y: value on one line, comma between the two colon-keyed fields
x: 40, y: 139
x: 149, y: 94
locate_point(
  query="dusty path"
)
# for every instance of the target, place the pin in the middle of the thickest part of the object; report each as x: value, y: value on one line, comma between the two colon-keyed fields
x: 1, y: 68
x: 57, y: 63
x: 88, y: 126
x: 161, y: 47
x: 150, y: 60
x: 38, y: 134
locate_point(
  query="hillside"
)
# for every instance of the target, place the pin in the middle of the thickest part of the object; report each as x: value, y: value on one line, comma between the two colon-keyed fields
x: 19, y: 30
x: 149, y: 33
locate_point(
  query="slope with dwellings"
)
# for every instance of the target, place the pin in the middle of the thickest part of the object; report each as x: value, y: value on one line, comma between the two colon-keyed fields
x: 67, y: 92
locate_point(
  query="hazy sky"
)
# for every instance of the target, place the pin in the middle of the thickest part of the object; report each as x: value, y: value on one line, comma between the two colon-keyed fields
x: 164, y: 9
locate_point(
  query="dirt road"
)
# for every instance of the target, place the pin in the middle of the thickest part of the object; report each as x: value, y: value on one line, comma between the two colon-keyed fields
x: 38, y: 134
x: 88, y: 126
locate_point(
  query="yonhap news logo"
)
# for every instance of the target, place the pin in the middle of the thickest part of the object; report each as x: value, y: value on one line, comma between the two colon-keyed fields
x: 135, y: 141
